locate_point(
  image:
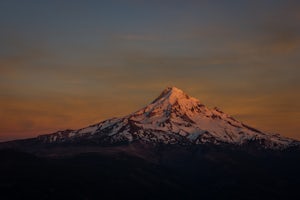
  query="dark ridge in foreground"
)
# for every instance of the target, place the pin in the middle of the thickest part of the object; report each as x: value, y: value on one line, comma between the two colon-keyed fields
x: 177, y: 173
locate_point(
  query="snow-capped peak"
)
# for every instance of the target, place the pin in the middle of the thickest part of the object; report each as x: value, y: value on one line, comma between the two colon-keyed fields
x: 172, y: 105
x: 173, y: 117
x: 173, y: 95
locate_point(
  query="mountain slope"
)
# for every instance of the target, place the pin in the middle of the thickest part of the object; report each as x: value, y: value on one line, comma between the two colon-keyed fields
x: 172, y: 118
x: 209, y: 155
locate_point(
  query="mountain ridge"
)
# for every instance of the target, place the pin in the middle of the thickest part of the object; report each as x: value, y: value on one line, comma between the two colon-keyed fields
x: 172, y: 118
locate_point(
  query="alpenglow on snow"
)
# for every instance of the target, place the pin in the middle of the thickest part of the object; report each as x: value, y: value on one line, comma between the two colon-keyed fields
x: 172, y: 118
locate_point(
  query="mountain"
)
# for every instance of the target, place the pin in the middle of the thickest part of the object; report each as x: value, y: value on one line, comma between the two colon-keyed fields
x: 174, y: 148
x: 172, y: 118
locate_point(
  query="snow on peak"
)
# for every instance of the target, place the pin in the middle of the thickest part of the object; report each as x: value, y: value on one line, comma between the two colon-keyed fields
x: 174, y: 91
x: 175, y: 117
x: 171, y: 103
x: 174, y: 95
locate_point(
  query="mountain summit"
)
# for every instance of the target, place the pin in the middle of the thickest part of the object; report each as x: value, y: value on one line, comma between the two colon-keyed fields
x: 173, y: 148
x: 172, y: 118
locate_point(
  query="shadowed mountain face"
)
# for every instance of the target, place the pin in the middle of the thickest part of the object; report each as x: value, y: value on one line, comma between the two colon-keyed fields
x: 174, y: 148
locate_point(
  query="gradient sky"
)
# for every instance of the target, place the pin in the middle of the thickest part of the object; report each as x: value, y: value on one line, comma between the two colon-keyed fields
x: 69, y: 64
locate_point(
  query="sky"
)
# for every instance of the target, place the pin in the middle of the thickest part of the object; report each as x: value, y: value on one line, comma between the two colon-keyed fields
x: 68, y: 64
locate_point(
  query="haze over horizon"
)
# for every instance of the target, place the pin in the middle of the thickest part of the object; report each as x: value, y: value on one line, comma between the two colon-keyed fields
x: 69, y: 64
